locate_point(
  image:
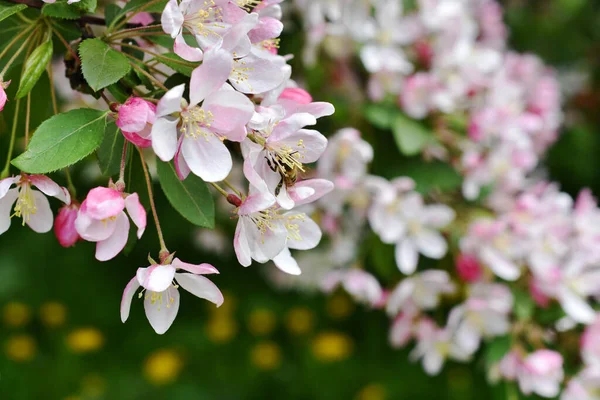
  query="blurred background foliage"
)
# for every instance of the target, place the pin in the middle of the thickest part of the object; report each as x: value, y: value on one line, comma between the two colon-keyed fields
x: 61, y: 336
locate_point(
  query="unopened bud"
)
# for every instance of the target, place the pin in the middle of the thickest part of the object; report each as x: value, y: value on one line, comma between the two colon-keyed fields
x: 64, y: 225
x: 234, y: 200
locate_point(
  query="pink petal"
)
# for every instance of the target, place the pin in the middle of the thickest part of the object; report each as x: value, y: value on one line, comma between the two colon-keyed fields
x: 6, y: 183
x: 64, y: 226
x: 185, y: 51
x: 290, y: 126
x: 6, y: 203
x: 207, y: 157
x: 135, y: 114
x: 198, y: 269
x: 181, y: 167
x: 3, y: 97
x: 297, y: 95
x: 50, y: 188
x: 142, y: 18
x: 170, y: 102
x: 136, y: 139
x: 172, y: 19
x: 210, y: 75
x: 236, y: 39
x: 309, y: 144
x: 200, y: 287
x: 109, y: 248
x: 268, y: 28
x: 156, y: 278
x: 240, y: 244
x: 41, y: 221
x: 318, y: 188
x: 255, y: 203
x: 128, y: 293
x: 164, y: 138
x: 252, y: 74
x: 136, y: 212
x: 162, y: 312
x: 103, y: 203
x: 231, y: 110
x: 93, y: 230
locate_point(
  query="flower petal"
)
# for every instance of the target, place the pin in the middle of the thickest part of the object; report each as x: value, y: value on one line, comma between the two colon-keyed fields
x: 253, y: 75
x: 6, y: 203
x: 42, y: 220
x: 161, y: 311
x: 207, y: 157
x: 128, y: 293
x: 240, y: 244
x: 164, y: 138
x: 50, y: 188
x: 136, y: 212
x: 185, y: 51
x: 286, y: 263
x: 110, y: 247
x: 307, y: 233
x: 156, y: 278
x: 198, y: 269
x: 103, y: 203
x: 210, y: 75
x: 170, y: 102
x: 431, y: 244
x: 407, y: 256
x: 6, y: 183
x: 231, y: 110
x: 201, y: 287
x: 172, y: 19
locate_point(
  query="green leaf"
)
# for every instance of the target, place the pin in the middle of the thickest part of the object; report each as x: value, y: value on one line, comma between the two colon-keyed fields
x: 8, y: 9
x: 110, y: 151
x: 101, y: 64
x: 34, y: 67
x: 60, y: 10
x: 162, y: 40
x: 524, y: 306
x: 87, y: 5
x: 190, y: 197
x: 410, y: 135
x: 111, y: 12
x: 176, y: 64
x: 134, y: 5
x: 380, y: 115
x: 63, y: 140
x: 497, y: 349
x: 430, y: 175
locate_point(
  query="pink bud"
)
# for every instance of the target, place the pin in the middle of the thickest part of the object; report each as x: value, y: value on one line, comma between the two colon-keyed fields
x: 298, y: 95
x: 3, y: 98
x: 64, y: 225
x: 468, y: 268
x: 135, y: 119
x: 234, y: 200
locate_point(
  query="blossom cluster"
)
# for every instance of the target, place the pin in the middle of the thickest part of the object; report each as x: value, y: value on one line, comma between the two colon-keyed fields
x: 495, y: 112
x: 239, y: 92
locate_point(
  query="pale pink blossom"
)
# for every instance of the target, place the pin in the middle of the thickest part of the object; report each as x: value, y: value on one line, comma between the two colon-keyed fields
x: 361, y: 285
x: 3, y: 97
x: 101, y: 219
x: 31, y: 205
x: 422, y: 290
x: 541, y: 373
x: 135, y: 118
x: 64, y: 225
x: 583, y: 386
x: 194, y: 133
x: 160, y: 283
x: 590, y: 344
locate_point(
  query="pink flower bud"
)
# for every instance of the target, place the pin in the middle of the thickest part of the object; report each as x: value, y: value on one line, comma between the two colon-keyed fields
x: 64, y: 225
x: 298, y: 95
x: 3, y: 98
x: 135, y: 119
x: 468, y: 268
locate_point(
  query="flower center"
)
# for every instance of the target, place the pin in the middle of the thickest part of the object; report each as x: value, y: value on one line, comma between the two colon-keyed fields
x: 240, y: 72
x: 158, y: 298
x: 248, y: 5
x: 264, y: 220
x: 284, y: 158
x: 196, y: 122
x: 25, y: 205
x: 206, y: 19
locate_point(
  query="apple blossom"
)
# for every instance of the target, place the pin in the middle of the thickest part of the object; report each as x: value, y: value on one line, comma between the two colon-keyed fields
x: 160, y: 283
x: 101, y: 219
x: 64, y: 225
x: 31, y: 205
x: 360, y: 284
x: 541, y: 372
x: 135, y: 118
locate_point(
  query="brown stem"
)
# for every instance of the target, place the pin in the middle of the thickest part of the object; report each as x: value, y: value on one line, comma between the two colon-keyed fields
x: 163, y: 246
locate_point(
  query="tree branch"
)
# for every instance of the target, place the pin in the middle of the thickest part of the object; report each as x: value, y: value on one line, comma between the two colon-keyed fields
x: 84, y: 19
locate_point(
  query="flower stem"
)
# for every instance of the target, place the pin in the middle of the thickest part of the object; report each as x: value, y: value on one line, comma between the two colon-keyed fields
x: 125, y: 32
x: 64, y: 42
x: 70, y: 185
x: 230, y: 186
x: 14, y: 56
x: 219, y: 189
x: 133, y: 14
x: 52, y: 91
x: 11, y: 146
x: 121, y: 181
x: 158, y: 56
x: 163, y: 246
x: 150, y: 76
x: 27, y: 117
x: 15, y: 40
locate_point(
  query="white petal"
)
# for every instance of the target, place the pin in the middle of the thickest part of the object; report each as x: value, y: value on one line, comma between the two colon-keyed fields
x: 576, y: 307
x: 156, y: 278
x: 164, y: 138
x: 162, y: 313
x: 407, y: 256
x: 128, y: 293
x: 308, y: 230
x: 285, y: 262
x: 6, y: 204
x: 41, y: 221
x: 170, y: 102
x: 201, y: 287
x: 109, y: 248
x: 207, y: 157
x: 431, y: 244
x: 210, y: 75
